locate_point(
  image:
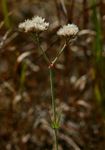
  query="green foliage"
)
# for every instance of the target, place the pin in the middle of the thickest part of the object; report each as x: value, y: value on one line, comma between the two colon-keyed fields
x: 98, y: 59
x: 97, y: 45
x: 6, y: 14
x: 23, y: 76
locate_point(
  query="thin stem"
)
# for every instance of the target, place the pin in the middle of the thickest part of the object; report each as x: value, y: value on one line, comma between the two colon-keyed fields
x: 5, y: 13
x: 56, y: 139
x: 52, y: 93
x: 59, y: 53
x: 43, y: 52
x: 67, y: 42
x: 53, y: 104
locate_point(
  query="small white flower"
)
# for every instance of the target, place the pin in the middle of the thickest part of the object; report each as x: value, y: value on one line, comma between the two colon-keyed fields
x: 35, y: 24
x: 68, y: 30
x: 26, y: 26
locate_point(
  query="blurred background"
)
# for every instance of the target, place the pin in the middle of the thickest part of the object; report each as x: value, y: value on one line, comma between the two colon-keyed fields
x: 25, y: 99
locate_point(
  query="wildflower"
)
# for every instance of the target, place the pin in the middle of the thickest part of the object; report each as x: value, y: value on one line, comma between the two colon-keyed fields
x: 35, y: 24
x: 68, y: 30
x: 26, y: 26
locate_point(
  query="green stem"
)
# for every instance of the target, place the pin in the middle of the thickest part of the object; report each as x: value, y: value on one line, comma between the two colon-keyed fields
x: 53, y: 104
x: 23, y: 76
x: 67, y: 42
x: 41, y: 49
x: 5, y: 13
x: 59, y: 53
x: 56, y: 139
x: 52, y: 92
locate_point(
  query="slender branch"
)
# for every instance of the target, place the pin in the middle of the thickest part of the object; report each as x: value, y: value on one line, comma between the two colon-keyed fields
x: 5, y: 13
x: 52, y: 92
x: 53, y: 105
x: 43, y: 52
x: 59, y: 53
x: 67, y: 42
x: 56, y: 139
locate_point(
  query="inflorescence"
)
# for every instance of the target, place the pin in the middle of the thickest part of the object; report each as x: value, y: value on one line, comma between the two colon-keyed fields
x: 36, y: 24
x: 68, y: 30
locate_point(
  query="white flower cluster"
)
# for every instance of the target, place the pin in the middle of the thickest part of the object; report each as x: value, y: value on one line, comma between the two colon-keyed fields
x: 68, y: 30
x: 35, y: 24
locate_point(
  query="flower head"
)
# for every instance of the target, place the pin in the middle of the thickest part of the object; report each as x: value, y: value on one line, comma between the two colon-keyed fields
x: 68, y: 30
x: 35, y: 24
